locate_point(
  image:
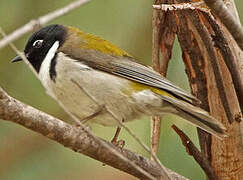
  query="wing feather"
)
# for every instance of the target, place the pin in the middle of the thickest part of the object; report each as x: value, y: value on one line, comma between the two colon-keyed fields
x: 145, y: 75
x: 126, y: 67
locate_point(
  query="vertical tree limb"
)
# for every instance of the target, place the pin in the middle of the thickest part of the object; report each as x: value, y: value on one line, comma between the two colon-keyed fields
x: 217, y: 148
x: 206, y: 47
x: 155, y: 121
x: 163, y: 40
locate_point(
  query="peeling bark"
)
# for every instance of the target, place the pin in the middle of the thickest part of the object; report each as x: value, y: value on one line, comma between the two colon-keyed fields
x: 215, y: 71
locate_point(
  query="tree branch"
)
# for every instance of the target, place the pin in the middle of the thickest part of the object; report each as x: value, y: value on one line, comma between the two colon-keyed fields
x: 220, y: 9
x: 40, y: 21
x: 78, y: 139
x: 192, y: 150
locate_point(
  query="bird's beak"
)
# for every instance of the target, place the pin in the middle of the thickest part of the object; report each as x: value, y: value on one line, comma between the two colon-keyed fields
x: 16, y: 59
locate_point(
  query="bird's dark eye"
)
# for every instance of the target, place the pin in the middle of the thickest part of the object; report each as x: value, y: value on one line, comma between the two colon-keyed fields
x: 37, y: 43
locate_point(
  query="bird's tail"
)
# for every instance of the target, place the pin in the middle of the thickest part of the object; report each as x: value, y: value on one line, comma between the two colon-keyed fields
x: 197, y: 117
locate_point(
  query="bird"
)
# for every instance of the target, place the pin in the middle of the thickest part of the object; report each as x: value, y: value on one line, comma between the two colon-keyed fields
x: 96, y: 81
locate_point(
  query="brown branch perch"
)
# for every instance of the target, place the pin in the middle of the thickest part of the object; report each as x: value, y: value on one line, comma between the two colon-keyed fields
x: 78, y: 139
x: 192, y: 150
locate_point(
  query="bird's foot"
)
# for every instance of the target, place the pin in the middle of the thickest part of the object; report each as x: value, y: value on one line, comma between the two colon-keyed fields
x: 118, y: 143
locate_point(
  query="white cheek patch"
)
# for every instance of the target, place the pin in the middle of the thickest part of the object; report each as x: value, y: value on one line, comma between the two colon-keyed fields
x: 45, y: 66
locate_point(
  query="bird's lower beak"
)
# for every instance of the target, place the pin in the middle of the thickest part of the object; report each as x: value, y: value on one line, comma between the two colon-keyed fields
x: 16, y: 59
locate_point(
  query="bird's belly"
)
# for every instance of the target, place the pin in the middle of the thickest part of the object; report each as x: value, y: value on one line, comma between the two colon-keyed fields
x: 81, y: 105
x: 84, y: 97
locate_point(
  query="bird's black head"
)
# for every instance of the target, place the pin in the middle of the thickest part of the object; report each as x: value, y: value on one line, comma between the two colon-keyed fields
x: 40, y: 43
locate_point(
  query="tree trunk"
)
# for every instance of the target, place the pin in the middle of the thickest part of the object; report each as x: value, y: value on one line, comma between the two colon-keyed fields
x: 207, y: 47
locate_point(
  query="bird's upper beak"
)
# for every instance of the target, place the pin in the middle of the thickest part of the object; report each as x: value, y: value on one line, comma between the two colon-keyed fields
x: 16, y: 59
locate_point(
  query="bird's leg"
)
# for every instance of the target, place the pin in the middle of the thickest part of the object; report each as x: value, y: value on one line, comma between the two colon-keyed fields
x: 119, y: 143
x: 96, y: 113
x: 114, y: 139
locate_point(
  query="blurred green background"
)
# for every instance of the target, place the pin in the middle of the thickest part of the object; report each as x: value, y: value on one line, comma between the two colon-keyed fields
x: 25, y: 155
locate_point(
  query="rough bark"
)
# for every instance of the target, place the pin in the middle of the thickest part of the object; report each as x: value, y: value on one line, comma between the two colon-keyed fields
x: 212, y: 57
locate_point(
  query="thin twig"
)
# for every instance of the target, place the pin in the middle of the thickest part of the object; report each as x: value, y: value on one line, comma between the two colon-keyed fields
x: 19, y: 53
x: 155, y: 134
x: 110, y: 148
x: 192, y: 150
x: 155, y: 158
x: 40, y: 21
x: 220, y: 9
x: 155, y: 120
